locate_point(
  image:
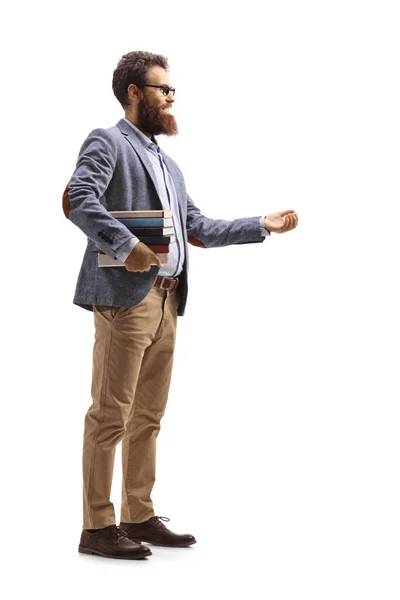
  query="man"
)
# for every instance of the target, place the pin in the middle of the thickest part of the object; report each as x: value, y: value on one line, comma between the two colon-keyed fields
x: 135, y: 308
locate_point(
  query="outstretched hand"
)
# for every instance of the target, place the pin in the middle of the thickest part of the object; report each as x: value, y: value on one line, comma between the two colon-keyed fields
x: 281, y: 222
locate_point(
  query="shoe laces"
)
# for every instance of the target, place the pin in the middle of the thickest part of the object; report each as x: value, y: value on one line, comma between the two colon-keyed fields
x: 116, y: 533
x: 157, y: 522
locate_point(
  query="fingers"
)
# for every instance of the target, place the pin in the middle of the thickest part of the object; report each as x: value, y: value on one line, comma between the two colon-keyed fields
x: 157, y: 261
x: 142, y: 269
x: 291, y: 219
x: 136, y: 268
x: 291, y: 222
x: 286, y: 224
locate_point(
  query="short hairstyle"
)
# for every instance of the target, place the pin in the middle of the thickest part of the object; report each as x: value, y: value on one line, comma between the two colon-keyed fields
x: 132, y: 68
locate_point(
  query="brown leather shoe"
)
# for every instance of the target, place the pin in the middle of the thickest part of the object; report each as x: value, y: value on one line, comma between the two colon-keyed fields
x: 111, y: 542
x: 155, y: 532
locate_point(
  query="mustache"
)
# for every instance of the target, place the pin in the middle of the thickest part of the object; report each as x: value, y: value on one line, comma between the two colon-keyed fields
x: 164, y: 106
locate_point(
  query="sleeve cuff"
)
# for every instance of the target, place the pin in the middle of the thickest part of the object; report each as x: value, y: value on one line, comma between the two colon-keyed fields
x: 264, y: 232
x: 124, y: 251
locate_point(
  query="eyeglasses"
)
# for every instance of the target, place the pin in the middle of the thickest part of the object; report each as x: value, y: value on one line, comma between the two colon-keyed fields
x: 166, y: 89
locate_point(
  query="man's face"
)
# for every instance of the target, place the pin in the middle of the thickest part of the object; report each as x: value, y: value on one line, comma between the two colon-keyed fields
x: 154, y: 108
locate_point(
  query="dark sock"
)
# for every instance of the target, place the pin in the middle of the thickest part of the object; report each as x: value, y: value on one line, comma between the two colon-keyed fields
x: 92, y: 530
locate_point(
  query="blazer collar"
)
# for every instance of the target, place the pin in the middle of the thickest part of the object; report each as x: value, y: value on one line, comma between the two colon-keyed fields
x: 128, y: 128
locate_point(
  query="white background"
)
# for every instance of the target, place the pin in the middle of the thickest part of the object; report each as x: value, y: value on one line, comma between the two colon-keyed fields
x: 279, y: 449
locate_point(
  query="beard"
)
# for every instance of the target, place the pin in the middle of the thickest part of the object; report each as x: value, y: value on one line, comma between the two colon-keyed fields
x: 155, y: 120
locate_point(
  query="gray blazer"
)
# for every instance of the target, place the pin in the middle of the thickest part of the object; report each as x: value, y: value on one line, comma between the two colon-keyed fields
x: 113, y: 172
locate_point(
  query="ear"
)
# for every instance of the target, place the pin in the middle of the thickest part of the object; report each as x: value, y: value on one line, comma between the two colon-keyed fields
x: 133, y: 92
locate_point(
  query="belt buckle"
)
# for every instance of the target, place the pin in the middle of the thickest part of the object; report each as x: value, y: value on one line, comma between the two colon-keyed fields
x: 171, y: 283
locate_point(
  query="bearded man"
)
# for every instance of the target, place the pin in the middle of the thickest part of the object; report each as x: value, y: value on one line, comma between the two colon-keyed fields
x: 135, y: 307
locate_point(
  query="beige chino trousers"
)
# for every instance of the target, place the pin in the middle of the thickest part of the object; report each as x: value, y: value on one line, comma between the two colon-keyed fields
x: 132, y: 364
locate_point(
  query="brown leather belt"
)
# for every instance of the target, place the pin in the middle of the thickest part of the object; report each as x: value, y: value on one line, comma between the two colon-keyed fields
x: 166, y: 283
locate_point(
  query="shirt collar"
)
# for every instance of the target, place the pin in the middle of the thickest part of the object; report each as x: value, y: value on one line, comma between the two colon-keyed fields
x: 143, y: 138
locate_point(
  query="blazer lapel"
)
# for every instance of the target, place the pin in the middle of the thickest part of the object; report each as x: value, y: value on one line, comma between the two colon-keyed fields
x: 130, y: 134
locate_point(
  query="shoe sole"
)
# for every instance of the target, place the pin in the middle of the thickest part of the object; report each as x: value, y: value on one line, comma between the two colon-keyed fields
x: 84, y: 550
x: 165, y: 545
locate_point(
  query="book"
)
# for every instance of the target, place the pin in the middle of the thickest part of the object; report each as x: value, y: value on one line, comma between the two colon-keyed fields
x: 163, y: 248
x: 129, y: 214
x: 149, y: 222
x: 103, y: 260
x: 149, y: 231
x: 157, y: 239
x: 152, y: 227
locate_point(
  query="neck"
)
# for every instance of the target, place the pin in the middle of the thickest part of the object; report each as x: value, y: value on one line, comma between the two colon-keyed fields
x: 134, y: 120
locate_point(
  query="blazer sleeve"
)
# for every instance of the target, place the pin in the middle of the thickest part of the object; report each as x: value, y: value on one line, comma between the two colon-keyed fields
x: 212, y: 233
x: 81, y: 200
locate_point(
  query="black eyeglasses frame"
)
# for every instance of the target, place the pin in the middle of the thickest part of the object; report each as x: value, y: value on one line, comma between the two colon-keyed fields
x: 166, y: 89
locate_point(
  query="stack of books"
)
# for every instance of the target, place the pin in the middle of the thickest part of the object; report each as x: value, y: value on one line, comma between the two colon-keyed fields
x: 153, y: 227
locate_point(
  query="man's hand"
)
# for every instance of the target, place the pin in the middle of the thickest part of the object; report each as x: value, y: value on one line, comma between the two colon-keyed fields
x: 141, y: 258
x: 281, y: 221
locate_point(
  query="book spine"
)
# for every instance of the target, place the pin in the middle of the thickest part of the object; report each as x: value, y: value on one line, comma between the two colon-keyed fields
x: 162, y: 248
x: 150, y: 231
x: 159, y: 239
x: 131, y: 214
x: 151, y: 222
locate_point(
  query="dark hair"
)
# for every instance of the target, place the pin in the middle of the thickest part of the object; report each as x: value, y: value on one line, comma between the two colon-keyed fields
x: 132, y: 68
